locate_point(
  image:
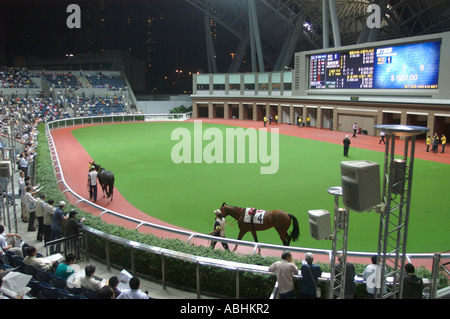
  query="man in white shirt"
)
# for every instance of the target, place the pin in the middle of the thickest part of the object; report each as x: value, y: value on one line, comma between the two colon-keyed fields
x: 15, y: 242
x: 134, y: 292
x: 92, y: 183
x: 39, y: 263
x: 372, y: 277
x: 285, y: 270
x: 89, y: 281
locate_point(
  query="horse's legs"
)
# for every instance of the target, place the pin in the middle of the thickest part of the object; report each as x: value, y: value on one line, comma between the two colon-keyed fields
x: 284, y: 236
x: 255, y: 237
x: 241, y: 234
x: 287, y: 240
x: 107, y: 193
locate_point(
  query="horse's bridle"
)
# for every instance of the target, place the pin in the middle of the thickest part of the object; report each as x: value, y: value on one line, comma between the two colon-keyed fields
x: 238, y: 217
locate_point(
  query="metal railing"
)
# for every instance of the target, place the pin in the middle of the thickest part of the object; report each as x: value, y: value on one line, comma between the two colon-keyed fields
x: 199, y: 261
x: 189, y: 234
x: 117, y: 118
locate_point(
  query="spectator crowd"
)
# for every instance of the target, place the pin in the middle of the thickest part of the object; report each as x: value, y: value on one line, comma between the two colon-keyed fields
x: 19, y: 118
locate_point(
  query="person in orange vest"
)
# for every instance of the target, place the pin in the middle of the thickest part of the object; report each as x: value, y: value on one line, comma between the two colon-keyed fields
x: 428, y: 143
x: 265, y: 121
x: 443, y: 141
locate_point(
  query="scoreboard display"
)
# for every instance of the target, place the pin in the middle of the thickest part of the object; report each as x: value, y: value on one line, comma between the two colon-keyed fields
x: 409, y: 66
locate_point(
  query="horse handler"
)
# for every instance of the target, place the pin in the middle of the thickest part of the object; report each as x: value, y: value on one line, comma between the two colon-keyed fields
x: 219, y: 229
x: 92, y: 183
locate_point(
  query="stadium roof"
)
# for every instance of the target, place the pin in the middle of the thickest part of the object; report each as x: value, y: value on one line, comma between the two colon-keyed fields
x: 276, y: 22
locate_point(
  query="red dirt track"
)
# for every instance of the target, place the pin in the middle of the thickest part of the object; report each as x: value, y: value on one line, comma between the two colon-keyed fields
x: 74, y: 162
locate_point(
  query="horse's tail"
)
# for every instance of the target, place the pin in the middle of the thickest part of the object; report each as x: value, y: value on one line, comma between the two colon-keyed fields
x: 295, y: 230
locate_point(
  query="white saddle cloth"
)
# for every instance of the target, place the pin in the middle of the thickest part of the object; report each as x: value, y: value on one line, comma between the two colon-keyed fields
x: 258, y: 217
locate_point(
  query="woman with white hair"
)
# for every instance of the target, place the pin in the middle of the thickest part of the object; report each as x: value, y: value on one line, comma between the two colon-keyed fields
x: 219, y: 229
x: 310, y: 277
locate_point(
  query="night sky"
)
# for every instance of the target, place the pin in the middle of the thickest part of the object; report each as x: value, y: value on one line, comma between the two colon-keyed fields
x: 165, y: 34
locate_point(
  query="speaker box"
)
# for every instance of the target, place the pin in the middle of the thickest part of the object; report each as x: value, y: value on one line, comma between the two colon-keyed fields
x: 5, y: 169
x: 360, y: 181
x: 319, y: 224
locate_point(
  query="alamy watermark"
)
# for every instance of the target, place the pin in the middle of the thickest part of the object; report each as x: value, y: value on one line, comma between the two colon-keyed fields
x: 73, y: 21
x: 237, y: 146
x: 374, y: 19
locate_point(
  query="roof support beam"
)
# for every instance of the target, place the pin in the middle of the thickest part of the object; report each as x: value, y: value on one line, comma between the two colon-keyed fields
x: 287, y: 51
x: 211, y: 56
x: 325, y: 24
x: 255, y: 39
x: 335, y: 23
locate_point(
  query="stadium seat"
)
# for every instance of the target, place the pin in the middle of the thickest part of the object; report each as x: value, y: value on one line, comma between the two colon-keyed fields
x: 72, y: 296
x: 30, y: 270
x: 35, y: 288
x: 18, y: 262
x: 43, y: 275
x: 47, y: 291
x: 90, y: 294
x: 75, y: 291
x: 9, y: 257
x: 57, y: 282
x: 62, y: 293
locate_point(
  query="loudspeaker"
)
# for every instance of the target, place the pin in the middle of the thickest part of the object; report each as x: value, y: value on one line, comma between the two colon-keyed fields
x: 360, y: 184
x: 399, y: 175
x: 319, y: 224
x: 5, y: 169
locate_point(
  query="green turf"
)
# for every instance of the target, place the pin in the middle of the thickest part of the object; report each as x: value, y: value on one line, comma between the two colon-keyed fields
x: 186, y: 194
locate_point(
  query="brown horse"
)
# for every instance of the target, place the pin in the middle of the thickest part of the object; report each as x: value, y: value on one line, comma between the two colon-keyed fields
x: 277, y: 218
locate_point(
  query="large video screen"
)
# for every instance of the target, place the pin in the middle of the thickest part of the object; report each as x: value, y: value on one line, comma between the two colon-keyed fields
x: 410, y: 66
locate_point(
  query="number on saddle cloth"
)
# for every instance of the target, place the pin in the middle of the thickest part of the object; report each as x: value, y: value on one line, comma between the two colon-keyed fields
x: 253, y: 215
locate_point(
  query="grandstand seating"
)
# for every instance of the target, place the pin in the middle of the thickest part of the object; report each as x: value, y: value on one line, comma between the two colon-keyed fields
x: 62, y: 80
x: 106, y: 81
x: 14, y: 78
x: 49, y: 108
x: 98, y: 106
x: 45, y: 285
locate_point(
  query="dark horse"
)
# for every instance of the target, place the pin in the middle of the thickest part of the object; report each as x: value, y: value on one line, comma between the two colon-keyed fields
x: 106, y: 180
x: 277, y: 218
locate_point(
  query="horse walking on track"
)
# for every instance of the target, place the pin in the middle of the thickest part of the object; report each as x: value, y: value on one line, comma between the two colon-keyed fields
x: 106, y: 180
x: 277, y: 218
